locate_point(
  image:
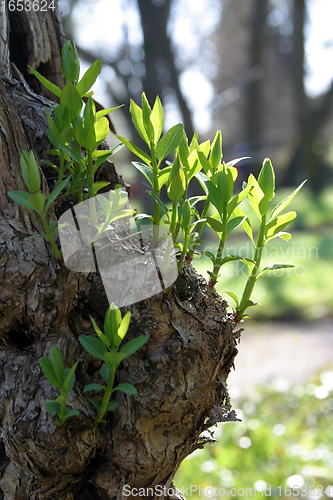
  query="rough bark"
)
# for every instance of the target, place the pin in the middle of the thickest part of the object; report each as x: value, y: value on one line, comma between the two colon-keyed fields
x: 180, y: 374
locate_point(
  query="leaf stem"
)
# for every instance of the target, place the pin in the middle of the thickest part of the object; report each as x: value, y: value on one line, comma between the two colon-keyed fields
x: 55, y: 250
x: 200, y: 227
x: 255, y: 270
x: 219, y: 254
x: 107, y: 395
x: 156, y: 192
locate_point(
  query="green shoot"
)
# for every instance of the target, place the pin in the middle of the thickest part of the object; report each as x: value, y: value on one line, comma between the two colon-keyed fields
x: 63, y: 379
x: 106, y: 348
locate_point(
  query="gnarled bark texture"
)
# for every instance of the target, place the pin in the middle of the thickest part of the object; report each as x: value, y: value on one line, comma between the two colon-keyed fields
x: 180, y: 373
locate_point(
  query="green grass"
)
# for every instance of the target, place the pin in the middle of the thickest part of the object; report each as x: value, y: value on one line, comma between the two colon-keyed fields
x: 304, y: 292
x: 284, y: 439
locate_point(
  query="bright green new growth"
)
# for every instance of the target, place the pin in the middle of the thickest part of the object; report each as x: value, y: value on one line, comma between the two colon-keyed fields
x: 63, y: 379
x: 203, y: 161
x: 75, y: 140
x: 106, y: 348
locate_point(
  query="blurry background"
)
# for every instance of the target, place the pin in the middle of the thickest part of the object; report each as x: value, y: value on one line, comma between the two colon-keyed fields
x: 262, y: 72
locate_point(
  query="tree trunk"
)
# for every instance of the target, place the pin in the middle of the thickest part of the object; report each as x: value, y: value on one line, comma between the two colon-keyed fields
x: 254, y: 117
x: 180, y: 373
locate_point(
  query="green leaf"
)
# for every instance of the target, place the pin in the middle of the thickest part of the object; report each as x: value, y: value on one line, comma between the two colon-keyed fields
x: 57, y: 363
x: 70, y: 379
x: 210, y: 255
x: 284, y: 203
x: 102, y: 158
x: 232, y: 295
x: 250, y: 303
x: 234, y: 223
x: 276, y: 225
x: 273, y: 267
x: 93, y: 387
x: 105, y: 372
x: 52, y: 407
x: 186, y: 216
x: 146, y: 112
x: 89, y: 78
x: 72, y: 413
x: 157, y: 119
x: 70, y: 63
x: 224, y: 183
x: 104, y: 112
x: 70, y: 98
x: 99, y: 185
x: 122, y: 330
x: 37, y: 201
x: 236, y: 200
x: 169, y: 142
x: 145, y: 170
x: 55, y: 193
x: 214, y: 196
x: 248, y: 262
x: 202, y: 179
x: 257, y: 198
x: 126, y: 388
x: 135, y: 149
x: 53, y: 126
x: 216, y: 225
x: 112, y: 405
x: 177, y: 186
x: 30, y: 171
x: 163, y: 207
x: 266, y: 179
x: 216, y: 152
x: 177, y: 181
x: 101, y: 128
x: 137, y: 120
x: 94, y: 346
x: 96, y: 328
x: 231, y: 163
x: 95, y: 402
x: 72, y: 153
x: 20, y: 197
x: 49, y: 85
x: 133, y: 345
x: 112, y: 321
x: 50, y: 374
x: 163, y: 177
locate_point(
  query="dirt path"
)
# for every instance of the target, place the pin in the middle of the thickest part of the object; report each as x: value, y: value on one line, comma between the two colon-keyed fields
x: 280, y: 353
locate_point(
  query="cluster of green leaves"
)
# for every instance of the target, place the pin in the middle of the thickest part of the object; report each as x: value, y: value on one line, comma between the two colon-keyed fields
x: 86, y: 132
x: 203, y: 162
x: 106, y: 348
x: 270, y: 227
x: 75, y: 139
x: 63, y: 379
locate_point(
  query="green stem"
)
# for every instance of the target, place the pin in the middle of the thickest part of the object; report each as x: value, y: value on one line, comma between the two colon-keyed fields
x: 61, y: 167
x: 255, y: 270
x: 185, y: 244
x: 62, y: 414
x: 156, y: 192
x: 55, y: 250
x: 200, y: 227
x: 219, y: 254
x: 107, y: 395
x: 77, y: 170
x: 92, y: 206
x: 173, y: 220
